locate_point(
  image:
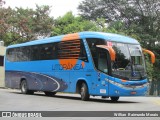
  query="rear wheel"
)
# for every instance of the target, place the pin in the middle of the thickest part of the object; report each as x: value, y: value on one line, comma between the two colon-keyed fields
x: 50, y: 93
x: 114, y: 99
x: 24, y: 88
x: 84, y: 92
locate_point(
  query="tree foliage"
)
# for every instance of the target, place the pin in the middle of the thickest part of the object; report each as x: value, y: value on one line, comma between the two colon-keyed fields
x: 71, y: 24
x: 126, y: 10
x: 21, y: 25
x: 141, y: 17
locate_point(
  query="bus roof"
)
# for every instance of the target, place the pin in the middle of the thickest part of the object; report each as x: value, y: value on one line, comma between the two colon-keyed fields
x: 102, y: 35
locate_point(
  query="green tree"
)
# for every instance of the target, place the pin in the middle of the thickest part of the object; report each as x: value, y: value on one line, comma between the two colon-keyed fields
x: 71, y: 24
x: 22, y: 25
x: 141, y: 17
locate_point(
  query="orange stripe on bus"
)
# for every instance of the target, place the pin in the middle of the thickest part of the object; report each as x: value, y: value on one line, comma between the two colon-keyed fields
x: 68, y: 41
x: 73, y: 36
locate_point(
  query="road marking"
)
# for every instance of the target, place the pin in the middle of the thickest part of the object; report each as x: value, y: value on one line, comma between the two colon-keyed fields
x: 157, y: 102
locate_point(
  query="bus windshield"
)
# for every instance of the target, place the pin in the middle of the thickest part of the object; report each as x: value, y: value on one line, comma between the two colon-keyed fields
x: 129, y: 63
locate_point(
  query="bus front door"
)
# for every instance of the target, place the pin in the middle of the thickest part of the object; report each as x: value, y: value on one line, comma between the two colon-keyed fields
x: 100, y: 85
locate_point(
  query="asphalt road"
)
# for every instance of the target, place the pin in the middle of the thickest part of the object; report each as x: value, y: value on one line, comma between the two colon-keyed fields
x: 13, y: 100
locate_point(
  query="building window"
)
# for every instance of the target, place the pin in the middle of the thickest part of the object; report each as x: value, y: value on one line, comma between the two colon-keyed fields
x: 1, y: 60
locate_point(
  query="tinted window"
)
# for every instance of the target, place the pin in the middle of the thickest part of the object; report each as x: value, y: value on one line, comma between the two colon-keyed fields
x: 11, y: 54
x: 32, y: 53
x: 69, y: 49
x: 73, y: 49
x: 83, y: 54
x: 22, y: 54
x: 92, y: 42
x: 25, y: 54
x: 46, y: 52
x: 102, y: 60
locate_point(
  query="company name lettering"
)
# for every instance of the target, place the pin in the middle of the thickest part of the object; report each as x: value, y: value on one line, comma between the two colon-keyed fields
x: 67, y: 67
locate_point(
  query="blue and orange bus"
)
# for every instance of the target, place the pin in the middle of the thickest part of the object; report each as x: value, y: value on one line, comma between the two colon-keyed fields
x: 88, y: 63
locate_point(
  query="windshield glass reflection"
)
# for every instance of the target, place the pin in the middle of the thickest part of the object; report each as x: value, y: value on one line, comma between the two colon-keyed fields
x: 129, y: 63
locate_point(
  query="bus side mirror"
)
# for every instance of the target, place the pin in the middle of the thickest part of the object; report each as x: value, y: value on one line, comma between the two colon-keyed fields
x: 110, y: 50
x: 151, y: 53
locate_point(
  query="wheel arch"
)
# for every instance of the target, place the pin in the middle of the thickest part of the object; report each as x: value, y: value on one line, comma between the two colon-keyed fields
x: 21, y: 79
x: 79, y: 83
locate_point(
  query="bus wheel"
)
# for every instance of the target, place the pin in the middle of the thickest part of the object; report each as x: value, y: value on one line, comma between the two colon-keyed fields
x: 24, y: 88
x: 50, y: 93
x: 84, y: 92
x: 104, y: 97
x: 114, y: 99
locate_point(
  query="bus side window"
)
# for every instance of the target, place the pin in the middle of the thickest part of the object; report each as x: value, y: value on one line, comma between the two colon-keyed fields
x: 34, y: 52
x: 54, y: 50
x: 71, y: 49
x: 11, y: 54
x: 102, y: 60
x: 46, y: 52
x: 22, y: 54
x: 92, y: 42
x: 19, y: 55
x: 83, y: 54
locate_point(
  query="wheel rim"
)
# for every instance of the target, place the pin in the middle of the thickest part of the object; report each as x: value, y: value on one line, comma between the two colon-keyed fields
x: 24, y: 87
x: 82, y: 92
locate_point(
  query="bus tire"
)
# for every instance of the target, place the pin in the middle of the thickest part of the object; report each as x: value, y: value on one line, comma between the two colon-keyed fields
x: 84, y: 92
x: 114, y: 99
x: 24, y: 88
x: 49, y: 93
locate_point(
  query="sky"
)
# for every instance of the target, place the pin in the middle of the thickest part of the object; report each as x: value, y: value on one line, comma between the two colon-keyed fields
x: 59, y: 7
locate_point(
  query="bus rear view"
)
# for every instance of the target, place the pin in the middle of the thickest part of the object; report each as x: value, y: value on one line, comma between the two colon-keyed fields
x: 88, y: 63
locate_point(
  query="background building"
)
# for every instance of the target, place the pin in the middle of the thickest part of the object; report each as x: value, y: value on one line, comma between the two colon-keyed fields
x: 2, y: 75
